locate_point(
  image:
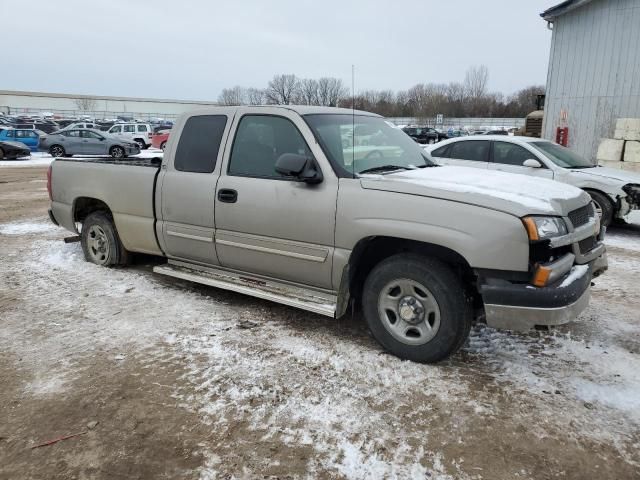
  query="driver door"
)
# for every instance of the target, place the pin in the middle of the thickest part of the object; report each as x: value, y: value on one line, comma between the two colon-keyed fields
x: 267, y: 223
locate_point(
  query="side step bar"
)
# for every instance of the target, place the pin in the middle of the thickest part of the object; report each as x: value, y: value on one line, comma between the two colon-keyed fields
x: 295, y: 296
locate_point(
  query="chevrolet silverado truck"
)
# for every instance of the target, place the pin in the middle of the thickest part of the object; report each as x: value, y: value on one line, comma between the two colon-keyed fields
x: 325, y: 208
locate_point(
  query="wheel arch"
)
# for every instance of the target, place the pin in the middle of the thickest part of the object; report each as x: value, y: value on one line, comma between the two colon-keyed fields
x: 84, y: 206
x: 370, y: 251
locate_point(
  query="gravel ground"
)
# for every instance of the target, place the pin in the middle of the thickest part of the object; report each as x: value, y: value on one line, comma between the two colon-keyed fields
x: 166, y: 379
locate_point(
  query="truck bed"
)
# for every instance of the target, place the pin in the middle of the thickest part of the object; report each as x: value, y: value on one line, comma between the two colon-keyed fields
x: 126, y: 187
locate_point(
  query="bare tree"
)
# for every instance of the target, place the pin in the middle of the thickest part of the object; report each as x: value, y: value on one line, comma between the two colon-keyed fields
x: 233, y: 96
x: 331, y: 91
x: 308, y: 92
x: 256, y: 96
x: 282, y: 89
x: 86, y: 104
x: 475, y: 81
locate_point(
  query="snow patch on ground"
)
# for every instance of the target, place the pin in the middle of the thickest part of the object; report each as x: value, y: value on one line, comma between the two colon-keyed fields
x: 26, y: 228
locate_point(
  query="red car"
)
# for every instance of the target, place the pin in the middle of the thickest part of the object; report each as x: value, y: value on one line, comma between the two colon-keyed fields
x: 159, y: 140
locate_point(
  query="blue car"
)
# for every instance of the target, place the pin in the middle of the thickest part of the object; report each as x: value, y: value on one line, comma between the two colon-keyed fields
x: 30, y: 137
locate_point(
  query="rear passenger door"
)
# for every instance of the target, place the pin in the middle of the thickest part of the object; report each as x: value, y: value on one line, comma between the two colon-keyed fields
x: 187, y: 189
x: 509, y: 157
x: 92, y: 143
x: 469, y: 153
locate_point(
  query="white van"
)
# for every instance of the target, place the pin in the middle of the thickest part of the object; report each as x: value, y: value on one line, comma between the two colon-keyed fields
x: 138, y: 132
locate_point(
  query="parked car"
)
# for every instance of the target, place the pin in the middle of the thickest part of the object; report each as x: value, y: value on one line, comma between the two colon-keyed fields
x: 28, y: 136
x: 614, y: 192
x: 164, y: 126
x: 77, y: 125
x: 13, y: 150
x: 425, y: 135
x: 298, y: 221
x: 159, y: 140
x: 88, y: 142
x: 139, y: 132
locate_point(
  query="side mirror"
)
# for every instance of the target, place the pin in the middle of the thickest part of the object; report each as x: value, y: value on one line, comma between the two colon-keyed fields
x: 532, y: 163
x: 299, y: 166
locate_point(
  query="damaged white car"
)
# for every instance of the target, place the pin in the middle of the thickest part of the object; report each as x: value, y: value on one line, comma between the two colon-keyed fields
x: 614, y: 192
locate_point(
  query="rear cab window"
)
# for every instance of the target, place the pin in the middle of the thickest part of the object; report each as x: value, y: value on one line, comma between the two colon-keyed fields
x: 199, y: 143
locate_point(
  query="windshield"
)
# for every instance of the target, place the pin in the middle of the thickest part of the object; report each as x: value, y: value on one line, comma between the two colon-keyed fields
x: 357, y: 143
x: 561, y: 156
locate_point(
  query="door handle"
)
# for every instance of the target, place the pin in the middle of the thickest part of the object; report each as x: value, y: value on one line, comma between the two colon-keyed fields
x: 227, y: 195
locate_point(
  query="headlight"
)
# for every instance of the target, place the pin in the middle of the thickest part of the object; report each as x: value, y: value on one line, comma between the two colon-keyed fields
x: 543, y: 228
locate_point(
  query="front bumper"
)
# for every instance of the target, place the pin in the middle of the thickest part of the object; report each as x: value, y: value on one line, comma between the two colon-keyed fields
x: 518, y: 306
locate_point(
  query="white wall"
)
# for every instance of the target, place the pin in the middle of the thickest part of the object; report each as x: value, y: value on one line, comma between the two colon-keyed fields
x: 594, y: 72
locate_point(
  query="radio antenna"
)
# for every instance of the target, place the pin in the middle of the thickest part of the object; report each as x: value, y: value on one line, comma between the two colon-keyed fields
x: 353, y: 121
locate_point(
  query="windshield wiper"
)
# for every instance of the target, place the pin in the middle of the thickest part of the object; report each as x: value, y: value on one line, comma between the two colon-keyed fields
x: 384, y: 168
x: 579, y: 167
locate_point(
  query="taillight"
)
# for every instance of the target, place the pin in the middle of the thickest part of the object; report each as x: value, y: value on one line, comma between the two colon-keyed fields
x: 49, y: 183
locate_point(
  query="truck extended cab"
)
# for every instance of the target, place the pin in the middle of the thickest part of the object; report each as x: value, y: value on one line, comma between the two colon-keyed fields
x: 319, y: 207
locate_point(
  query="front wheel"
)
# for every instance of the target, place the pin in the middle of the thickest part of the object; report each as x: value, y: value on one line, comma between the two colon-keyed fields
x: 416, y: 307
x: 117, y: 152
x: 100, y: 242
x: 604, y: 207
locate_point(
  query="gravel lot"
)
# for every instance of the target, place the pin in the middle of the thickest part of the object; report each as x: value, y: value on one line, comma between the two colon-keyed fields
x: 187, y: 381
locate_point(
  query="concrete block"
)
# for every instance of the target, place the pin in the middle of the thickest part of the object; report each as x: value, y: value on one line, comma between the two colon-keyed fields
x: 626, y: 134
x: 632, y: 152
x: 630, y: 124
x: 610, y: 149
x: 610, y: 164
x: 631, y: 166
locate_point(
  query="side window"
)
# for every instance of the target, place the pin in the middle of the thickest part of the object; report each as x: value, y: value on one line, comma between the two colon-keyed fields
x: 129, y: 128
x: 11, y: 133
x: 142, y: 128
x: 89, y: 134
x: 259, y: 142
x: 510, y: 153
x: 73, y: 133
x: 199, y: 143
x: 476, y: 150
x: 117, y: 129
x: 20, y: 134
x: 440, y: 152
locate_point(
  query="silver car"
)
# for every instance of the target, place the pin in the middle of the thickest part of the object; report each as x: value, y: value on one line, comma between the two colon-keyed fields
x: 85, y: 141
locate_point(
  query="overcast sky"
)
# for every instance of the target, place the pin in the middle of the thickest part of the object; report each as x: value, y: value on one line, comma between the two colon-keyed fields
x: 192, y: 49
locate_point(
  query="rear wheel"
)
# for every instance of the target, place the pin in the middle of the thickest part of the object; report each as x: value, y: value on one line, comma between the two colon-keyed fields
x: 56, y: 151
x: 163, y: 145
x: 604, y: 207
x: 141, y: 143
x: 100, y: 241
x: 117, y: 152
x: 416, y: 307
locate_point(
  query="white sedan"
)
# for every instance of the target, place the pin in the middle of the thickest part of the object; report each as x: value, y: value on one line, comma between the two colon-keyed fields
x: 614, y: 192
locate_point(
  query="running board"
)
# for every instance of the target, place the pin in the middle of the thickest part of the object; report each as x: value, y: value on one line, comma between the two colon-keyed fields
x: 292, y: 295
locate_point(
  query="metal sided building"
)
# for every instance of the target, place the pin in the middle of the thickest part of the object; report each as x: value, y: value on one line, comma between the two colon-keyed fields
x: 594, y: 70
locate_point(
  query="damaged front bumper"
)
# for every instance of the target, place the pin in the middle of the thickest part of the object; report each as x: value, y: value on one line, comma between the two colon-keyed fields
x: 521, y: 306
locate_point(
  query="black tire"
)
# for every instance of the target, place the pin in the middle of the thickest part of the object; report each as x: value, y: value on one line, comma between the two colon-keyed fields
x: 1, y: 154
x: 117, y: 152
x: 442, y: 285
x: 604, y: 205
x: 57, y: 151
x: 96, y: 225
x: 141, y: 143
x: 163, y: 145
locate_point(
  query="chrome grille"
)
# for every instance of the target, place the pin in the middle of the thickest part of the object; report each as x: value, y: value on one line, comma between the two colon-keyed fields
x: 581, y: 216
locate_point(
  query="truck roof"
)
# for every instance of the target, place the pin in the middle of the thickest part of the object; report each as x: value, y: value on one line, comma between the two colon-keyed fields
x: 300, y: 109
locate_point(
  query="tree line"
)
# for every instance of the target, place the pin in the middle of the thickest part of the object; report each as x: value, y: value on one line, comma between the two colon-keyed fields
x: 468, y: 98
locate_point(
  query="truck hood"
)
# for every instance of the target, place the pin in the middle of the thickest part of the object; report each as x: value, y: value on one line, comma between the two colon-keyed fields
x: 518, y: 195
x: 622, y: 176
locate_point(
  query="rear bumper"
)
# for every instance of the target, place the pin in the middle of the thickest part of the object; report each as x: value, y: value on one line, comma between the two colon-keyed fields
x: 517, y: 306
x: 53, y: 218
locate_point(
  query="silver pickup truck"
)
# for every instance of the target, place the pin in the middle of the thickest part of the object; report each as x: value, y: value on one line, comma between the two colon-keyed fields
x: 322, y: 208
